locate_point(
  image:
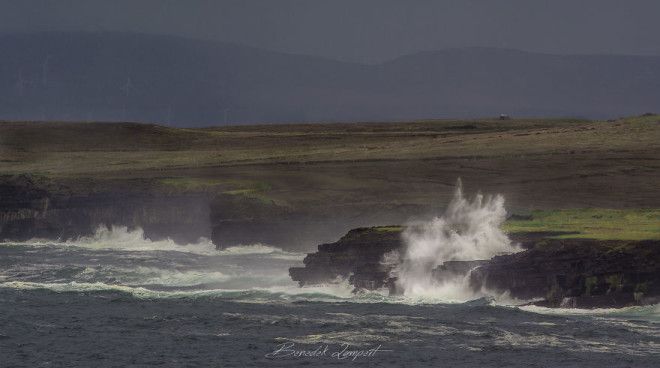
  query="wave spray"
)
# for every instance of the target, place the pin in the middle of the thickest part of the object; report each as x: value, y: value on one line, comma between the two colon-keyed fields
x: 468, y: 230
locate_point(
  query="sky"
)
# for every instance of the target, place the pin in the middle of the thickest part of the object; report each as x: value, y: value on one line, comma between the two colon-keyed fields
x: 368, y: 31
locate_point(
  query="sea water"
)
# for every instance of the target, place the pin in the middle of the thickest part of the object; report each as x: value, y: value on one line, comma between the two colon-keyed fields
x: 116, y: 299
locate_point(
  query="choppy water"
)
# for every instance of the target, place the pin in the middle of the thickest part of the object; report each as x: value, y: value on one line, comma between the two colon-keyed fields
x: 117, y: 300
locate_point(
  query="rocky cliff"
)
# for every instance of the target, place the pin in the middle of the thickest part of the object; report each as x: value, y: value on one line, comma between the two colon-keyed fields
x: 33, y: 207
x: 581, y: 273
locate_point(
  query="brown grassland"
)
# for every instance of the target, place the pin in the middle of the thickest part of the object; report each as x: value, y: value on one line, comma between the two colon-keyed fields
x: 405, y: 168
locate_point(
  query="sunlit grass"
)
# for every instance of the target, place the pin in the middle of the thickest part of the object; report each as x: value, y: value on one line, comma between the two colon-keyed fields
x: 594, y: 223
x: 643, y: 119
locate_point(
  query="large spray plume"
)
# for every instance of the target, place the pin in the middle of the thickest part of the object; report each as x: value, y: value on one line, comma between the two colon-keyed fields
x: 468, y: 230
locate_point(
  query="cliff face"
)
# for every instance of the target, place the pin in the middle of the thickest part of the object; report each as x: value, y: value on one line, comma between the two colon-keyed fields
x: 33, y: 208
x: 240, y: 220
x: 37, y: 207
x: 581, y: 273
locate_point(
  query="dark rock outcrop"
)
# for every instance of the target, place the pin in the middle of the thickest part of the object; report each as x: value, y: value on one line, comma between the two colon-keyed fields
x: 357, y: 256
x: 452, y: 269
x: 582, y: 273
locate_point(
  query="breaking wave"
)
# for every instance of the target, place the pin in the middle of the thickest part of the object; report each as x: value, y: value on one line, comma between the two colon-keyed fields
x: 125, y: 239
x: 647, y: 312
x: 468, y: 230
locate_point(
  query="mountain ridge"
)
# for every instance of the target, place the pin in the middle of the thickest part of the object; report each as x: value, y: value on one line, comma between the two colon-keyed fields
x: 110, y: 76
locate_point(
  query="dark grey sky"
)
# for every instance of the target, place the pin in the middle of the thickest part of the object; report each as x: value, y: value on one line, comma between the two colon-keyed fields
x: 363, y: 30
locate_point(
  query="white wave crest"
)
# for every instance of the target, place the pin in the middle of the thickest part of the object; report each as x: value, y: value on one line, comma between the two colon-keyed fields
x: 651, y: 312
x: 329, y: 293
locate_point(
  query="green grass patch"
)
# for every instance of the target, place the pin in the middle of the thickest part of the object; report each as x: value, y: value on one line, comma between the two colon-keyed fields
x: 389, y: 229
x: 186, y: 184
x: 593, y: 223
x: 257, y: 191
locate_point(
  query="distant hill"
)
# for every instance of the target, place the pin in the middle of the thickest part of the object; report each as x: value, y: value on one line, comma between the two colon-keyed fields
x: 185, y: 82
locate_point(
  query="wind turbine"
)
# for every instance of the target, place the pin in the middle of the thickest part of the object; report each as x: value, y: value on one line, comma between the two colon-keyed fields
x: 44, y: 70
x: 20, y: 83
x: 168, y: 118
x: 127, y: 88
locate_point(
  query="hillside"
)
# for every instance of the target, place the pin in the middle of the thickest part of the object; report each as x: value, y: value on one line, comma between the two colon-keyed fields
x: 316, y: 181
x: 612, y: 162
x: 185, y: 82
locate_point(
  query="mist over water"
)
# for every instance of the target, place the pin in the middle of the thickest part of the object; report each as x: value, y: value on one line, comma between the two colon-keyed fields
x: 469, y: 229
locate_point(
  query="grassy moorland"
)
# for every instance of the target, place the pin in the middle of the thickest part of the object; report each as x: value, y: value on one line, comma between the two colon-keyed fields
x: 397, y: 170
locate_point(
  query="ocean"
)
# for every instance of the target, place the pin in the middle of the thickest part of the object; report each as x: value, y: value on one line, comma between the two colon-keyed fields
x: 116, y: 299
